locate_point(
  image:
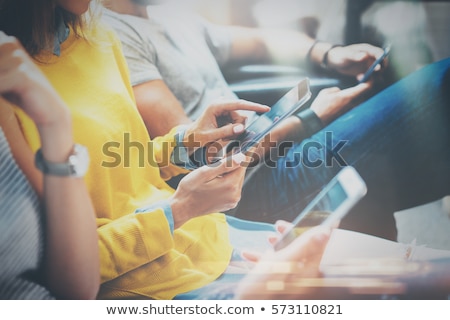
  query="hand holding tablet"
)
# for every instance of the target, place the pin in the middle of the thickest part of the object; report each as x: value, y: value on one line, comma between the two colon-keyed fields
x: 290, y: 103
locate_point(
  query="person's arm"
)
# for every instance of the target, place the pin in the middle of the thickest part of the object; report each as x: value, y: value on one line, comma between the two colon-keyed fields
x: 219, y: 123
x: 159, y: 108
x: 148, y: 234
x: 260, y: 45
x: 219, y: 188
x: 71, y: 262
x: 71, y: 241
x: 329, y: 104
x: 286, y: 268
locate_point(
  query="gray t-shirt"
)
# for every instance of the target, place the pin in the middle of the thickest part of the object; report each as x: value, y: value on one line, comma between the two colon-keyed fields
x: 178, y: 47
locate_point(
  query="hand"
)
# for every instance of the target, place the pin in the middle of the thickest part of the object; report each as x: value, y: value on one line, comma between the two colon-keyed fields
x: 286, y: 268
x: 330, y: 103
x: 221, y: 121
x: 23, y: 84
x: 209, y: 189
x: 280, y: 226
x: 354, y: 60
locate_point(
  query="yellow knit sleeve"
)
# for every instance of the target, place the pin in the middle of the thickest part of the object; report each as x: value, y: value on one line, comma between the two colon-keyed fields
x: 163, y: 148
x: 130, y: 242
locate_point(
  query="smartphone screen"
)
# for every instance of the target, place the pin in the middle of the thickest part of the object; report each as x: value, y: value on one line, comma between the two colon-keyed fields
x: 287, y: 105
x: 329, y: 206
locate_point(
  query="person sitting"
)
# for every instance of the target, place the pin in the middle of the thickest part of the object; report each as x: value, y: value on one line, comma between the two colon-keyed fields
x: 165, y: 244
x: 157, y: 242
x: 52, y: 253
x: 48, y: 247
x: 148, y: 33
x: 176, y: 75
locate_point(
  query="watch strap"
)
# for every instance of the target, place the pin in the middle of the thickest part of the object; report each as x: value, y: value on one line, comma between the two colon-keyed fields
x: 65, y: 169
x: 310, y: 122
x: 324, y: 63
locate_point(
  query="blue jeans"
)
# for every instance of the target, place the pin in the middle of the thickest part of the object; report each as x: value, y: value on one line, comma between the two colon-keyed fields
x: 398, y: 140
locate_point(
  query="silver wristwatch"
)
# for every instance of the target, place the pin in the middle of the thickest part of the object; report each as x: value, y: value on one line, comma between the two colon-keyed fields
x: 76, y: 165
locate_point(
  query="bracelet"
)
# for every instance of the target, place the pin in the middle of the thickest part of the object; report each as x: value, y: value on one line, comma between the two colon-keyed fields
x: 324, y: 63
x: 198, y: 157
x: 310, y: 122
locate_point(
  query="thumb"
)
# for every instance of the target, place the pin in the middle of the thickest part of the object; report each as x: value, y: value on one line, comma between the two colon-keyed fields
x: 223, y: 166
x: 250, y: 256
x: 357, y: 90
x: 281, y: 226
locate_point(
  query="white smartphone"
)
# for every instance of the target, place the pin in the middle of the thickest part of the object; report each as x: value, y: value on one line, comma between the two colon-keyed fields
x: 331, y: 204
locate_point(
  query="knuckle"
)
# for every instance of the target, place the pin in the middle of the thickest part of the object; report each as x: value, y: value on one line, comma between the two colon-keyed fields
x: 213, y: 107
x: 335, y: 89
x: 236, y: 193
x: 325, y: 93
x: 231, y: 190
x: 231, y: 205
x: 243, y: 102
x: 198, y: 138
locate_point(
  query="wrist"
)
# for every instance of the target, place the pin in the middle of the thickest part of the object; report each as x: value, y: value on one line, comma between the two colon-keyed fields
x: 291, y: 130
x: 325, y: 64
x: 183, y: 156
x: 310, y: 122
x: 319, y: 53
x: 178, y: 211
x: 75, y: 165
x: 188, y: 139
x: 56, y: 138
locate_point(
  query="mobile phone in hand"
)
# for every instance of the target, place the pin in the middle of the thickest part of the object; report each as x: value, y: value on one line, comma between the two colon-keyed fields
x: 329, y: 206
x: 371, y: 69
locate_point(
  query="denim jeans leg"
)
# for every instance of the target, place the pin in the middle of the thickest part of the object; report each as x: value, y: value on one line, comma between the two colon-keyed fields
x: 399, y: 141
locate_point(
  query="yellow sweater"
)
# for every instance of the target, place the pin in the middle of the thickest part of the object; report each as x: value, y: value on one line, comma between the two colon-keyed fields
x: 139, y: 255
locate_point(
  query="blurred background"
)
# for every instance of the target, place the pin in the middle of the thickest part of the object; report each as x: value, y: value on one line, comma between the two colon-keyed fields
x: 418, y: 30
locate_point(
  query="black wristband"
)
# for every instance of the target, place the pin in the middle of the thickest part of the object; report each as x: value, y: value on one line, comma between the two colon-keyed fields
x: 311, y: 123
x: 324, y: 63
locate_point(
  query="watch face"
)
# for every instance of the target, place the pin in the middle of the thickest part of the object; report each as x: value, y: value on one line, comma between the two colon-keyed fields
x: 79, y: 160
